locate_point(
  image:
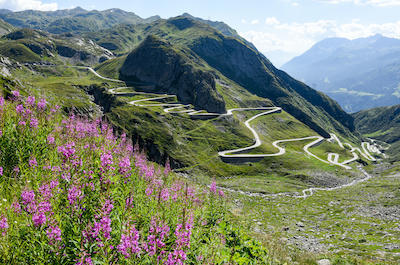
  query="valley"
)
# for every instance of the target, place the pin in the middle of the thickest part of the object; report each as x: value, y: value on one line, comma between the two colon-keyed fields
x: 277, y: 170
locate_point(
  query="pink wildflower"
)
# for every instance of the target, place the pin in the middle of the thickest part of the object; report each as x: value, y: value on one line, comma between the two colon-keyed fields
x: 129, y: 202
x: 74, y: 194
x: 17, y: 207
x: 3, y: 223
x: 53, y: 234
x: 50, y: 139
x: 3, y: 226
x: 34, y: 122
x: 15, y: 94
x: 19, y: 108
x: 106, y: 160
x: 149, y: 191
x: 167, y: 168
x: 67, y: 150
x: 32, y: 162
x: 31, y: 100
x: 165, y: 194
x: 157, y: 234
x: 213, y: 187
x: 28, y: 197
x: 42, y: 104
x: 45, y: 191
x: 39, y: 219
x: 129, y: 243
x: 107, y: 207
x: 124, y: 165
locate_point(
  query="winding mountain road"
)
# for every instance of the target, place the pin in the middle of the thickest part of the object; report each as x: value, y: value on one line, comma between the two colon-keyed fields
x: 237, y: 155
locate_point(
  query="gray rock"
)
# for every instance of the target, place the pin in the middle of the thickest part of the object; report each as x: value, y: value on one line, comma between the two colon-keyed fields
x: 324, y: 262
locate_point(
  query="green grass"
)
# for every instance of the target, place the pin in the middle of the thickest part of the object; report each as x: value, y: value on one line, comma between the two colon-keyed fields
x: 110, y: 68
x: 338, y: 220
x: 18, y: 52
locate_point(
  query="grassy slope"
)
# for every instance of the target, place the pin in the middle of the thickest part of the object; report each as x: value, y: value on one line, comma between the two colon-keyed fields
x: 382, y: 124
x: 5, y: 27
x: 358, y: 222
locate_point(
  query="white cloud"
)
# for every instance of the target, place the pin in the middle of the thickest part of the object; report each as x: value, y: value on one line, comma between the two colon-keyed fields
x: 296, y: 37
x: 271, y: 21
x: 17, y: 5
x: 255, y: 21
x: 382, y: 3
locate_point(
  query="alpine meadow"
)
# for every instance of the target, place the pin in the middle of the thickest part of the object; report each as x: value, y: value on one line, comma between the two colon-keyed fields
x: 174, y: 139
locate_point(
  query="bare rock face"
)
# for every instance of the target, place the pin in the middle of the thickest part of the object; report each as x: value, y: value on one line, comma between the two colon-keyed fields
x: 173, y: 70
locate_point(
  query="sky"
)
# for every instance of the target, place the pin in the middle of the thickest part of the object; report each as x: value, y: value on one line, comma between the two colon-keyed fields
x: 280, y: 29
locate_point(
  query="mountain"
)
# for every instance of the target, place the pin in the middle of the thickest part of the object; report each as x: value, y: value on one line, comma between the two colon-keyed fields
x: 278, y: 190
x: 5, y: 27
x: 383, y: 124
x: 35, y: 46
x: 173, y: 70
x: 75, y: 20
x: 222, y: 27
x: 124, y: 37
x: 247, y: 67
x: 359, y: 74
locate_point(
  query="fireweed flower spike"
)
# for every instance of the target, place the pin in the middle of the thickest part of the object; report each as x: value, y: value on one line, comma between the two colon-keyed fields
x: 3, y: 225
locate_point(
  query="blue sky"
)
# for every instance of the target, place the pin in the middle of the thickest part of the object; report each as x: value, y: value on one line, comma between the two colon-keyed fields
x: 279, y: 28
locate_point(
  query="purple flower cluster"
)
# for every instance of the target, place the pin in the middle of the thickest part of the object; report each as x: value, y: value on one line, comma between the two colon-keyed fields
x: 39, y: 219
x: 3, y: 225
x: 158, y: 232
x: 129, y: 243
x: 74, y: 194
x: 53, y: 234
x: 67, y: 150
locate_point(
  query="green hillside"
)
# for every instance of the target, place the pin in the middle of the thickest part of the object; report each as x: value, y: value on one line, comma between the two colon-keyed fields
x: 27, y: 46
x: 251, y: 70
x: 72, y: 20
x: 382, y: 124
x: 5, y: 27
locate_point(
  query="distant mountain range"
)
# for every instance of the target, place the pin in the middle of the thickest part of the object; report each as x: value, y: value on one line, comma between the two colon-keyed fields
x: 359, y: 74
x: 72, y: 20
